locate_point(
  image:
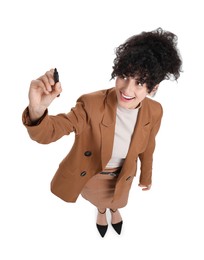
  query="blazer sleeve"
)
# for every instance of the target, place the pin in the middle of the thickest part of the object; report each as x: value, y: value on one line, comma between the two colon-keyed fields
x: 51, y: 128
x: 146, y: 158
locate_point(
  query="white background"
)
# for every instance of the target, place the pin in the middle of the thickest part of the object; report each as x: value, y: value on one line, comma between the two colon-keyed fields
x: 79, y: 38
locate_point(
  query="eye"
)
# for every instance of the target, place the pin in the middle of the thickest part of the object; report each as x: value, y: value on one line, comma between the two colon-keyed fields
x: 139, y: 83
x: 124, y: 77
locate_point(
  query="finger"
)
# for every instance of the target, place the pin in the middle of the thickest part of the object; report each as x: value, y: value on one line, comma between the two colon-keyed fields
x: 147, y: 188
x: 39, y: 85
x: 57, y: 89
x: 50, y: 76
x: 45, y: 80
x: 140, y: 185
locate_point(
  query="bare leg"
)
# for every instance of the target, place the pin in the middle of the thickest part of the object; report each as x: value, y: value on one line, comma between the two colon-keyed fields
x: 101, y: 218
x: 115, y: 216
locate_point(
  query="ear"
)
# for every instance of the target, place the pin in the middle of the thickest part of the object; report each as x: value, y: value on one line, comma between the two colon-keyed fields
x: 154, y: 91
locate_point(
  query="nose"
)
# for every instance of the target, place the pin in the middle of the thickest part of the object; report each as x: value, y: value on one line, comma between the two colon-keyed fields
x: 129, y: 86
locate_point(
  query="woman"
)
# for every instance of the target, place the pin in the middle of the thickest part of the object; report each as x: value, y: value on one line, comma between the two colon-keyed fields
x: 113, y: 127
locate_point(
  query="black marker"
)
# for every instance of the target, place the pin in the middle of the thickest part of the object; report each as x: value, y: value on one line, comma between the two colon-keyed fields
x: 56, y: 77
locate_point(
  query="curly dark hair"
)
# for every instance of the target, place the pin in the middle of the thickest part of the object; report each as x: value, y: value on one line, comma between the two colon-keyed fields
x: 149, y: 56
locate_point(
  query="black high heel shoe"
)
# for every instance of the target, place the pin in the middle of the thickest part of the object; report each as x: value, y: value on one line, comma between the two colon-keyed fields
x: 102, y: 228
x: 117, y: 226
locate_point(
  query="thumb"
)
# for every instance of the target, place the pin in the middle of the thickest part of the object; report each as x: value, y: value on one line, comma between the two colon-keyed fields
x: 57, y: 89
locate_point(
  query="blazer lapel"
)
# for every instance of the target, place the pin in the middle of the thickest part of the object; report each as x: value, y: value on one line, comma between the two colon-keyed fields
x: 141, y: 131
x: 139, y: 138
x: 108, y: 127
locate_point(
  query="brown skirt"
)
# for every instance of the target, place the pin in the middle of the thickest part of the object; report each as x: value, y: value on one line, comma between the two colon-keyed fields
x: 99, y: 191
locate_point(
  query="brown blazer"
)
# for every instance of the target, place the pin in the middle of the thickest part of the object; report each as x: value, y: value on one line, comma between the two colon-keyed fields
x: 93, y: 121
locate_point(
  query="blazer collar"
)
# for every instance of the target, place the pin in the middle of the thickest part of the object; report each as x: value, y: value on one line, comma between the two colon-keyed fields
x: 111, y: 107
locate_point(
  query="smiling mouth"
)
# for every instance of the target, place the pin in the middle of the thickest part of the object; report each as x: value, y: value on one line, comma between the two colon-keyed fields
x: 126, y: 97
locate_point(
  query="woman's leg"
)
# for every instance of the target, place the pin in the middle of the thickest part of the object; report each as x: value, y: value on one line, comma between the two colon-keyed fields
x: 116, y: 220
x: 101, y: 217
x: 101, y: 223
x: 115, y: 216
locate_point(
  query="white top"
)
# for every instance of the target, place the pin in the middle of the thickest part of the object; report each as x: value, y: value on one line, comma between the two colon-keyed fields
x: 125, y: 124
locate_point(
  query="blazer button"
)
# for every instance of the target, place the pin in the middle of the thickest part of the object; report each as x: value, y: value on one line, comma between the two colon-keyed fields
x: 83, y: 173
x: 128, y: 178
x: 88, y: 153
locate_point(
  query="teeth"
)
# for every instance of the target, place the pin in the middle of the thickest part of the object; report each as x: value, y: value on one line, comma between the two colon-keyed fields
x: 127, y: 97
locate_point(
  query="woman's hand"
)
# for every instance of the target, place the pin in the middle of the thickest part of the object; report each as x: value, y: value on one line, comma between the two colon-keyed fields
x: 41, y: 94
x: 145, y: 187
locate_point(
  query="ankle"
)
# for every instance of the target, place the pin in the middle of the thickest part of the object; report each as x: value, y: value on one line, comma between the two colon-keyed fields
x: 102, y: 210
x: 113, y: 210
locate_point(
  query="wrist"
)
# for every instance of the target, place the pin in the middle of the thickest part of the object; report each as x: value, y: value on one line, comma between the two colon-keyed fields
x: 35, y: 114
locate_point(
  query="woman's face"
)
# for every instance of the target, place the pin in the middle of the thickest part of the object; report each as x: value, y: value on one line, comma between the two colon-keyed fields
x: 130, y: 92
